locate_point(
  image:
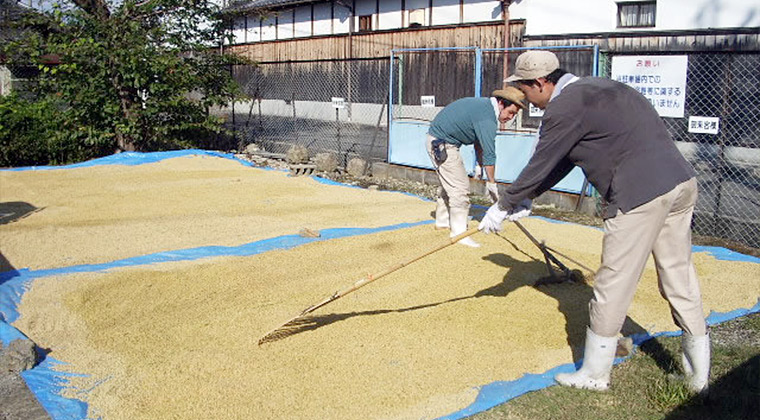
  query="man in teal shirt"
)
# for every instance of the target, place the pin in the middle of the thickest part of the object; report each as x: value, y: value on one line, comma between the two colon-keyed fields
x: 467, y: 121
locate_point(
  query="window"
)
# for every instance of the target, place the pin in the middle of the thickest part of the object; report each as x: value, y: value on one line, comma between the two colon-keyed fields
x: 636, y: 14
x: 416, y: 18
x: 365, y: 23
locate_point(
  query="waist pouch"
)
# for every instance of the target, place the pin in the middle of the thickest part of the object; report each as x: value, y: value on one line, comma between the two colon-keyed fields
x: 439, y: 151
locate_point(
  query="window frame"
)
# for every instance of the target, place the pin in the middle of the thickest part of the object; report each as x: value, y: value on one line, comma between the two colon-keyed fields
x: 638, y: 7
x: 366, y: 19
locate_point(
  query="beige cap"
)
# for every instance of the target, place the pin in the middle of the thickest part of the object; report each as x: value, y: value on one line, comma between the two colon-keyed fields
x: 511, y: 94
x: 533, y: 64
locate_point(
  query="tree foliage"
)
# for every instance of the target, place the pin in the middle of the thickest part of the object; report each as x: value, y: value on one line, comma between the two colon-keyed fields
x: 137, y: 75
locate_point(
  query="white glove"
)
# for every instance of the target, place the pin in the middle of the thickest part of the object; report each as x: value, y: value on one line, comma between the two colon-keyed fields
x: 493, y: 219
x: 478, y: 174
x: 493, y: 191
x: 522, y: 210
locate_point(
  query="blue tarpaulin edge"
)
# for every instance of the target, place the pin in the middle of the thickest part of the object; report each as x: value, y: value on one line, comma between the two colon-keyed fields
x: 134, y: 158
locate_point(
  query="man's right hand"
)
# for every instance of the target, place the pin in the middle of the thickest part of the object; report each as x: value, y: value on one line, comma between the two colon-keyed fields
x: 493, y: 219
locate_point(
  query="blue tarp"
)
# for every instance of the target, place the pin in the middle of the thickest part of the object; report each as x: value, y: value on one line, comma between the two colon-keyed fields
x: 46, y: 383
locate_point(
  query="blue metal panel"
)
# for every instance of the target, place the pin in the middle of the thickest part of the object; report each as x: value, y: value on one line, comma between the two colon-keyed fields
x: 513, y: 152
x: 407, y: 147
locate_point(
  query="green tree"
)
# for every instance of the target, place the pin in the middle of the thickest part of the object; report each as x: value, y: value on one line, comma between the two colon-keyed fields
x: 130, y: 75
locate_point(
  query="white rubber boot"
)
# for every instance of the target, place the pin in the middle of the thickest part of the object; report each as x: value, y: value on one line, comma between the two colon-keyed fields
x: 598, y: 356
x: 696, y: 361
x: 441, y: 214
x: 458, y: 222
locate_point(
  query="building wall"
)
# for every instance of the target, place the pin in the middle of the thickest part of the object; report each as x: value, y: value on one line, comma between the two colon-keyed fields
x: 543, y: 17
x: 330, y: 18
x: 551, y: 17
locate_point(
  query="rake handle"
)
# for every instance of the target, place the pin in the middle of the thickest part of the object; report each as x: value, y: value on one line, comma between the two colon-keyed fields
x: 541, y: 246
x: 372, y: 277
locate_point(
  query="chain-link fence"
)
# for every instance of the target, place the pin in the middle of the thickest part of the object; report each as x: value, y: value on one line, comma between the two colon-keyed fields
x: 726, y: 86
x: 327, y: 106
x: 341, y: 107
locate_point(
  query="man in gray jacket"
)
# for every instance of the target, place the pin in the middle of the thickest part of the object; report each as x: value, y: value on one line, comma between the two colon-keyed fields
x: 614, y: 134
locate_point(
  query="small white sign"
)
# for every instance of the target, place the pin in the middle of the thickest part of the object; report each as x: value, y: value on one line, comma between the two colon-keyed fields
x: 338, y: 103
x: 427, y: 101
x: 705, y: 125
x: 660, y: 78
x: 535, y: 111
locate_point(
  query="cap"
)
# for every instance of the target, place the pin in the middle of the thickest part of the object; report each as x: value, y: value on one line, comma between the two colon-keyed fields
x: 511, y: 94
x: 533, y: 64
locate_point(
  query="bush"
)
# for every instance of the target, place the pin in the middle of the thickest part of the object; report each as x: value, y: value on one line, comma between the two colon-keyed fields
x: 34, y: 133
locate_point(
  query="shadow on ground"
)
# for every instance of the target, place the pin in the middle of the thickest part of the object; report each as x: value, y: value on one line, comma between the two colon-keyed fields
x: 735, y: 395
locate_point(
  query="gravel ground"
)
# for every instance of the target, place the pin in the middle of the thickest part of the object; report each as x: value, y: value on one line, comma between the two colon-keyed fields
x: 16, y: 401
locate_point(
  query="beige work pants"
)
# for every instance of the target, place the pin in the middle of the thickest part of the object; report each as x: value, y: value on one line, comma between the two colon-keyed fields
x: 661, y: 227
x: 455, y: 184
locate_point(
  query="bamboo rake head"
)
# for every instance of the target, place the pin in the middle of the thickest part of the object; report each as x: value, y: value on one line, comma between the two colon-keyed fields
x: 294, y: 326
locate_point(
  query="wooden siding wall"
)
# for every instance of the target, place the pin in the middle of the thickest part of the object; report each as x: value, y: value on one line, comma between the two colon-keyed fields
x: 380, y: 43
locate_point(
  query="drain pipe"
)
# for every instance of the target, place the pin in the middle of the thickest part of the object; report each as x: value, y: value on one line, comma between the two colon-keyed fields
x: 505, y: 12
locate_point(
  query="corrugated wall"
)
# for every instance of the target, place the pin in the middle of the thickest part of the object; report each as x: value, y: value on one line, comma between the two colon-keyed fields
x: 380, y: 43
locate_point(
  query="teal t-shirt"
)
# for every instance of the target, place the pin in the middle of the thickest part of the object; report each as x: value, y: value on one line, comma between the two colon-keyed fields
x: 466, y: 121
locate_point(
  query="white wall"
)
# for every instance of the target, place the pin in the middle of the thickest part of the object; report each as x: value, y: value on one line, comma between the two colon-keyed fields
x: 551, y: 17
x: 253, y: 30
x: 543, y: 17
x: 389, y: 16
x: 269, y: 28
x: 416, y: 4
x: 481, y: 11
x: 341, y: 20
x: 285, y: 24
x: 303, y: 21
x: 689, y: 14
x: 548, y: 17
x: 445, y: 12
x: 238, y: 30
x: 322, y: 19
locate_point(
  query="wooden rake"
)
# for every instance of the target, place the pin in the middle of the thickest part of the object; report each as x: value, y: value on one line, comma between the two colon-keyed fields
x: 566, y: 275
x: 303, y: 322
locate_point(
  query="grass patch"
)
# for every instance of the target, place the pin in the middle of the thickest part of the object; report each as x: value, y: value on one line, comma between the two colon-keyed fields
x: 642, y: 387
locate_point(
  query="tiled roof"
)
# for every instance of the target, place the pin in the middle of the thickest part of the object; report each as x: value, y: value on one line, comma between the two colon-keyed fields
x: 241, y: 6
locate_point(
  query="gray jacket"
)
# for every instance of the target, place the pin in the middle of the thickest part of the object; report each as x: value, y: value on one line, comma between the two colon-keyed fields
x: 614, y: 134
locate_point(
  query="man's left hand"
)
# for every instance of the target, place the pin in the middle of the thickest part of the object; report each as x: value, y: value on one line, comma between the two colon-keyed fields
x: 522, y: 210
x: 493, y: 191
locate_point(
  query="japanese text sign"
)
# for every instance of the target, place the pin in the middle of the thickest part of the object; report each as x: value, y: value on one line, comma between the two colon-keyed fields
x: 660, y: 78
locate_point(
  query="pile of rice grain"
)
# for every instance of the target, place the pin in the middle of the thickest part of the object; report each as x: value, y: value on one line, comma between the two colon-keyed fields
x: 180, y: 340
x: 110, y: 212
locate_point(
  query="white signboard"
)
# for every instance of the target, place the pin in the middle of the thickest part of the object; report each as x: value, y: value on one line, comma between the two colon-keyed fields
x: 338, y: 103
x: 535, y: 111
x: 705, y: 125
x: 661, y: 78
x: 427, y: 101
